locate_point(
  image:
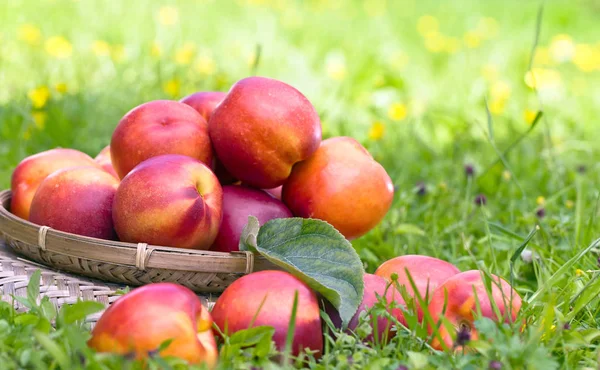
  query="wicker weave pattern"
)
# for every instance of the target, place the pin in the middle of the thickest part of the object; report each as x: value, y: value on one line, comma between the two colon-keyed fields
x: 124, y: 263
x: 60, y: 288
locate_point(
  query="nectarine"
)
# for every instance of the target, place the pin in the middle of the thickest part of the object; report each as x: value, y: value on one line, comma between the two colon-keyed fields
x: 32, y: 170
x: 76, y: 200
x: 159, y: 127
x: 143, y: 319
x: 170, y: 200
x: 374, y: 286
x: 240, y: 303
x: 239, y: 202
x: 342, y: 184
x: 427, y: 272
x: 104, y: 160
x: 461, y: 306
x: 204, y: 102
x: 261, y: 129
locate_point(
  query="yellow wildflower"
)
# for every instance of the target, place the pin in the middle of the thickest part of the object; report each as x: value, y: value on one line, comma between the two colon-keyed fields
x: 30, y: 34
x: 39, y: 118
x: 542, y: 57
x: 172, y: 87
x: 185, y: 54
x: 168, y: 15
x: 540, y: 200
x: 377, y: 130
x: 569, y: 204
x: 586, y: 58
x: 542, y: 78
x: 427, y: 24
x: 578, y: 272
x: 497, y: 106
x: 435, y: 42
x: 397, y: 112
x: 59, y: 47
x: 500, y: 90
x: 335, y: 66
x: 529, y: 115
x: 61, y: 87
x: 506, y: 175
x: 472, y: 39
x: 39, y: 96
x: 156, y: 50
x: 206, y: 65
x: 490, y: 72
x: 100, y: 48
x: 117, y: 53
x: 562, y: 48
x: 487, y: 27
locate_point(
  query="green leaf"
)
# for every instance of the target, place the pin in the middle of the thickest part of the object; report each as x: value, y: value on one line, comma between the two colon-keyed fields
x: 252, y: 336
x: 48, y: 309
x: 53, y: 349
x: 27, y: 319
x: 409, y: 229
x: 79, y: 311
x: 316, y: 253
x: 417, y: 360
x: 33, y: 288
x: 249, y: 234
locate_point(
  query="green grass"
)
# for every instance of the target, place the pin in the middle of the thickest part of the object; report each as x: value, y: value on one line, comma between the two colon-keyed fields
x: 356, y: 62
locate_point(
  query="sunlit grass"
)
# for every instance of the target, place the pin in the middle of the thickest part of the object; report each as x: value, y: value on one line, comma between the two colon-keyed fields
x: 409, y: 79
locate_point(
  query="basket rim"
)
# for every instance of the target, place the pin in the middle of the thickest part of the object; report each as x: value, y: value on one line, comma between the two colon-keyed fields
x: 142, y: 256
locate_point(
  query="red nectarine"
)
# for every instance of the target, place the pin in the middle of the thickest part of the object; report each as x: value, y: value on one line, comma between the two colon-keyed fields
x: 76, y: 200
x: 170, y: 200
x: 143, y: 319
x: 275, y: 290
x: 159, y: 127
x: 28, y: 175
x: 261, y: 129
x: 342, y: 184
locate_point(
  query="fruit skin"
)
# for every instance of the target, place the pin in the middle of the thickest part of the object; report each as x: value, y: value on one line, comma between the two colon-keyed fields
x: 141, y: 320
x: 204, y: 102
x: 171, y: 200
x: 239, y: 202
x: 374, y: 285
x: 159, y: 127
x: 261, y: 129
x: 461, y: 304
x: 425, y: 271
x: 342, y: 184
x: 76, y: 200
x: 275, y: 192
x: 236, y: 307
x: 104, y: 161
x: 31, y: 171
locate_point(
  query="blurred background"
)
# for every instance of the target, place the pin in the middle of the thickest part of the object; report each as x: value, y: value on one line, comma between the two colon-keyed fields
x: 409, y: 79
x: 412, y: 70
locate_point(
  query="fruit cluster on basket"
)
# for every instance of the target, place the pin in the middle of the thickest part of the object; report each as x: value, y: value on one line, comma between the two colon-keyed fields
x: 188, y: 173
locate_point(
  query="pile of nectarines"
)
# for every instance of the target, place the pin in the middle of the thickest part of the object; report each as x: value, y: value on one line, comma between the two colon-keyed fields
x: 188, y: 173
x: 449, y: 298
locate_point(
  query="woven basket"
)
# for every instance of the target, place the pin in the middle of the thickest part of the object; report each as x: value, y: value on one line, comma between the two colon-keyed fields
x: 125, y: 263
x: 60, y: 288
